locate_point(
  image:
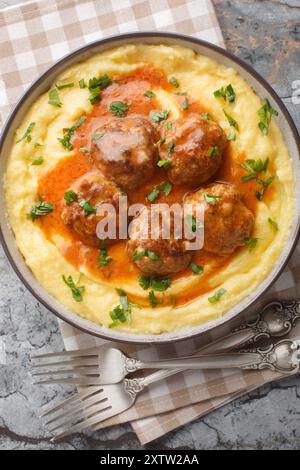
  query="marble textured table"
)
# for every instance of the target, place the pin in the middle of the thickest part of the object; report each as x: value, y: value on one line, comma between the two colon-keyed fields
x: 266, y: 34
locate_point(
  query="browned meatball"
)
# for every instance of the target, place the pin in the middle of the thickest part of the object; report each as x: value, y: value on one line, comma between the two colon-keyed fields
x: 125, y: 152
x: 194, y: 147
x: 83, y: 199
x: 227, y: 221
x: 156, y: 256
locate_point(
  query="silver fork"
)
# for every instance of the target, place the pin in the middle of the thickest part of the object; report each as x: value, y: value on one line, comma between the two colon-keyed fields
x: 99, y: 366
x: 96, y: 404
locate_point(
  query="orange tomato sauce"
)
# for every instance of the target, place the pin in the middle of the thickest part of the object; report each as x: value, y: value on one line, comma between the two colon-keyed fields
x: 57, y: 181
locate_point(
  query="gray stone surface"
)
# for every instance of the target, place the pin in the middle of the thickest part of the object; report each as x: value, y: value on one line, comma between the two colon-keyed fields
x: 266, y: 34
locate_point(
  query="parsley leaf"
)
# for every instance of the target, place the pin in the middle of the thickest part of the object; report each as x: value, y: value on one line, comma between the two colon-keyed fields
x: 76, y: 290
x: 87, y: 207
x: 232, y: 122
x: 40, y: 209
x: 153, y: 256
x: 168, y: 126
x: 171, y: 148
x: 103, y: 258
x: 82, y: 83
x: 196, y: 268
x: 273, y: 223
x: 122, y: 313
x: 212, y: 151
x: 210, y: 199
x: 231, y: 135
x: 37, y: 160
x: 27, y: 134
x: 208, y: 116
x: 217, y: 295
x: 153, y: 195
x: 252, y: 242
x: 186, y: 104
x: 166, y: 187
x: 158, y: 116
x: 54, y: 99
x: 265, y: 114
x: 96, y: 85
x: 164, y: 163
x: 149, y: 94
x: 61, y: 86
x: 68, y: 133
x: 226, y: 93
x: 70, y: 196
x: 192, y: 222
x: 156, y: 284
x: 174, y: 82
x: 119, y: 108
x: 139, y: 254
x: 153, y: 300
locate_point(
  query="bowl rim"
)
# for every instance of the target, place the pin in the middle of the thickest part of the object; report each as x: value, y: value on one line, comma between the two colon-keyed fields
x: 109, y: 41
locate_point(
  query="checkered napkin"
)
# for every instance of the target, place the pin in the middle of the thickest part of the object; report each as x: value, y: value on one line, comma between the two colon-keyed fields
x: 32, y: 37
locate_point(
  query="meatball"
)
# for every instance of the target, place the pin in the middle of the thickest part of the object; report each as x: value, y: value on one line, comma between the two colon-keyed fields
x: 194, y: 148
x: 83, y: 200
x: 157, y: 255
x: 125, y: 151
x: 227, y: 221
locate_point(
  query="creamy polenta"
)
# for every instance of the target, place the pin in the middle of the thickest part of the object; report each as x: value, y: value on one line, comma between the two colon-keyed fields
x: 40, y: 164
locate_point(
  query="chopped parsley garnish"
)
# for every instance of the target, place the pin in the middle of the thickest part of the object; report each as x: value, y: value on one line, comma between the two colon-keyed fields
x: 168, y: 126
x: 153, y: 300
x: 192, y: 222
x: 208, y: 116
x: 232, y: 122
x: 210, y: 199
x: 226, y: 93
x: 254, y: 168
x: 171, y: 148
x: 212, y: 151
x: 251, y: 242
x: 265, y: 183
x: 273, y: 223
x: 54, y: 99
x: 27, y: 133
x: 196, y: 268
x: 160, y: 142
x: 96, y: 137
x: 140, y: 254
x: 153, y: 195
x: 103, y: 258
x: 217, y: 295
x: 186, y: 104
x: 231, y: 135
x: 82, y: 83
x: 157, y: 284
x: 122, y: 313
x: 70, y: 196
x: 40, y: 209
x: 61, y: 86
x: 119, y: 108
x: 158, y: 116
x: 180, y: 92
x: 87, y: 207
x: 76, y: 290
x: 153, y: 256
x: 265, y: 114
x: 174, y: 82
x: 166, y: 187
x: 149, y: 94
x: 164, y: 163
x: 37, y: 160
x: 96, y: 85
x: 68, y: 133
x: 37, y: 145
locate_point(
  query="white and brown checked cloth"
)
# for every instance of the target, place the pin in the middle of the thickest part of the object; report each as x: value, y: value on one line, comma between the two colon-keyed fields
x: 32, y: 37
